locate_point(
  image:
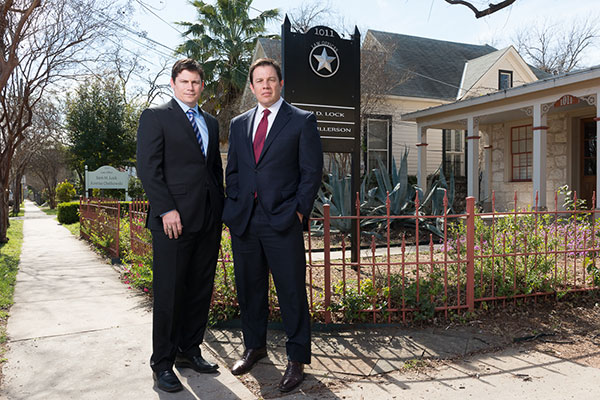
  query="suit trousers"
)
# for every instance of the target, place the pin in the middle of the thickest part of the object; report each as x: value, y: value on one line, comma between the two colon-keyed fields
x: 257, y: 251
x: 183, y: 278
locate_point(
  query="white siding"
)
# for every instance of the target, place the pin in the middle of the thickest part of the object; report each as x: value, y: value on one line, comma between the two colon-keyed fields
x: 508, y: 62
x: 404, y: 133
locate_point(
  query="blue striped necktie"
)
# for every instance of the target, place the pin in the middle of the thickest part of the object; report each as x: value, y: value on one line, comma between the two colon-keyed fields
x: 191, y: 114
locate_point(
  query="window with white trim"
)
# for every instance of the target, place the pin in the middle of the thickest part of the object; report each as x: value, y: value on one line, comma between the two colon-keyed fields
x: 505, y: 79
x: 378, y: 140
x: 521, y: 150
x: 454, y: 152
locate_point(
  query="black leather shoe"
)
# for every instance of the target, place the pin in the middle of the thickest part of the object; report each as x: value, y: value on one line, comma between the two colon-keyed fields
x: 294, y: 375
x: 197, y: 363
x: 167, y: 380
x: 250, y: 357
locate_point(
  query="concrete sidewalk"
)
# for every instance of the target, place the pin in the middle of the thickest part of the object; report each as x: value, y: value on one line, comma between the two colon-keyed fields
x: 77, y: 332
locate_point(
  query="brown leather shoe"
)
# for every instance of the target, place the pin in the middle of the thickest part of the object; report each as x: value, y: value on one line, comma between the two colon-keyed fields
x: 294, y: 375
x: 250, y: 357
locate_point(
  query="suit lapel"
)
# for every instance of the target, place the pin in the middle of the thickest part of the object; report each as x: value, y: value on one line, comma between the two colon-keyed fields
x: 249, y: 130
x: 282, y: 118
x: 183, y: 124
x: 213, y: 138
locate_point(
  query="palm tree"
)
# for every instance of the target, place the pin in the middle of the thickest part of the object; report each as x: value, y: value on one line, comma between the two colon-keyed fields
x: 223, y: 38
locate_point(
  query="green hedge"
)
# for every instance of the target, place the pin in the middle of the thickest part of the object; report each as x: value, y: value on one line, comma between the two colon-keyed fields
x: 68, y: 213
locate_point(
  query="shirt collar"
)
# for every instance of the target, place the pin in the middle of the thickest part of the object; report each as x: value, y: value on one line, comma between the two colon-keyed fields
x: 185, y: 107
x: 274, y: 108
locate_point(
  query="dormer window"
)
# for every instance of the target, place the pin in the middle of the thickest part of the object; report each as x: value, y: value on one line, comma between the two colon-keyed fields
x: 505, y: 79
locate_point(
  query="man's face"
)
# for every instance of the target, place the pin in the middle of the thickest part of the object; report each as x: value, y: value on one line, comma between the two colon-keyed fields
x: 265, y: 85
x: 187, y: 87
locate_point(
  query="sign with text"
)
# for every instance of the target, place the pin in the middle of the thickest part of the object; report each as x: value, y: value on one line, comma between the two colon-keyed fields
x: 321, y: 73
x: 106, y: 177
x: 566, y: 100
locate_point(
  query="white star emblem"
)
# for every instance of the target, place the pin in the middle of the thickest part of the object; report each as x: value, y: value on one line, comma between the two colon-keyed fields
x: 324, y: 60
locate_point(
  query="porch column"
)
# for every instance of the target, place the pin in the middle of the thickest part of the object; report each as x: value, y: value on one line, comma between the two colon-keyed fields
x: 540, y: 129
x: 422, y: 157
x: 597, y: 119
x: 473, y: 157
x: 487, y: 174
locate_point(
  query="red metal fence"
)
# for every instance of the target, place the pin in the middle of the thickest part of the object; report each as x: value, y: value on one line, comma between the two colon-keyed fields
x: 407, y: 273
x: 99, y: 223
x: 139, y: 236
x: 481, y: 258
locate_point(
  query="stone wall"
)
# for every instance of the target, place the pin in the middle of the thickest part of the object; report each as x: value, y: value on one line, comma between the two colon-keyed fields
x: 556, y: 164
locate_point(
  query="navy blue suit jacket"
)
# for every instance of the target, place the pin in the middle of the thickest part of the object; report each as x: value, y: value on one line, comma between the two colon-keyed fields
x: 288, y: 173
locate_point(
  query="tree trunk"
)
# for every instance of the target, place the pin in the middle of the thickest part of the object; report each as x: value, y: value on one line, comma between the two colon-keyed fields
x: 52, y: 197
x: 17, y: 194
x: 4, y: 209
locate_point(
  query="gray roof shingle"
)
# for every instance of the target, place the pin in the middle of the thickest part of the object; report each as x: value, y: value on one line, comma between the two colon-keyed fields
x: 434, y: 67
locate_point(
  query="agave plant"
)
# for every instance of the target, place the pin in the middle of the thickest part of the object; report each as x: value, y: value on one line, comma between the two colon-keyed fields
x: 337, y: 194
x: 402, y: 195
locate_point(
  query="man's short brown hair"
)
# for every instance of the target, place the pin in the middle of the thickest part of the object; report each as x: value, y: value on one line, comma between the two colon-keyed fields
x: 189, y: 65
x: 261, y: 62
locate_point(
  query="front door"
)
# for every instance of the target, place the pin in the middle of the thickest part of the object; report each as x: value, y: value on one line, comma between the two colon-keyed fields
x: 588, y: 160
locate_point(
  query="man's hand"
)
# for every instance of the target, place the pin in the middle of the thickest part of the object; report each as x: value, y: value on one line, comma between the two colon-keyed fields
x: 299, y: 215
x: 172, y: 224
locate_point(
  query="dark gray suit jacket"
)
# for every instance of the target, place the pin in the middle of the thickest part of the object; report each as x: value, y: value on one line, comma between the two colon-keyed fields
x: 174, y: 172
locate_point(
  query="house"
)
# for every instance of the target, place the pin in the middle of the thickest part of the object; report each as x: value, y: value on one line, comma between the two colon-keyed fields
x: 528, y: 140
x: 403, y: 74
x: 427, y: 73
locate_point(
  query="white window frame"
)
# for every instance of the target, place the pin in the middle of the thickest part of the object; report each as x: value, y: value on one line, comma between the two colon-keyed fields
x: 385, y: 151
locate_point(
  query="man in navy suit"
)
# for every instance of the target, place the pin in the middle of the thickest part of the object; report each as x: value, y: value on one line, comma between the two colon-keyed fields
x: 274, y: 169
x: 179, y: 163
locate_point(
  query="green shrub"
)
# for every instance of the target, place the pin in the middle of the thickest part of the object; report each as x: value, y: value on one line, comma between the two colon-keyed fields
x: 68, y: 213
x: 65, y: 192
x: 136, y: 190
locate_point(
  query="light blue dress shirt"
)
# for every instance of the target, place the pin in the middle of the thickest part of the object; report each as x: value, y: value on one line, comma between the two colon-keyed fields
x: 200, y: 122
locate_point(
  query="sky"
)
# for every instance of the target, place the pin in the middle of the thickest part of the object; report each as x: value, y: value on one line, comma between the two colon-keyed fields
x: 434, y: 19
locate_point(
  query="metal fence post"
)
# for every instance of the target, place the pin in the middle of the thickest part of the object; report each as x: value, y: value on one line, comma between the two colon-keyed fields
x: 131, y: 211
x: 327, y: 262
x: 118, y: 228
x: 80, y: 214
x: 471, y: 253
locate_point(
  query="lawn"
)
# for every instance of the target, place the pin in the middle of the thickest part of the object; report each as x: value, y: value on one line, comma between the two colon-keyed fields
x: 73, y: 228
x: 49, y: 211
x: 10, y: 254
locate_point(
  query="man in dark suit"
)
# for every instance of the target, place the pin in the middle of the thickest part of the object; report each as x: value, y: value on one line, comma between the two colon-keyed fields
x: 274, y: 168
x: 179, y: 164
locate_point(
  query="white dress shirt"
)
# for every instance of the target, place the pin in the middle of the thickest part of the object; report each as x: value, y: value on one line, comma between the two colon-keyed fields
x: 274, y: 109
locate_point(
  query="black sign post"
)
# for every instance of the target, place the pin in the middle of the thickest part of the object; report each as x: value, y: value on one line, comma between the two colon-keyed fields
x: 321, y: 73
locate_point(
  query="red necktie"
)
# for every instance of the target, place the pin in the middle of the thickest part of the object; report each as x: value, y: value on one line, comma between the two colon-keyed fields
x: 261, y: 134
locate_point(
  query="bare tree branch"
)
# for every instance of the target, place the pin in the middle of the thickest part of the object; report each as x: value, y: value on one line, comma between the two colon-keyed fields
x: 39, y: 51
x: 309, y: 14
x: 492, y: 8
x: 557, y: 47
x: 10, y: 36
